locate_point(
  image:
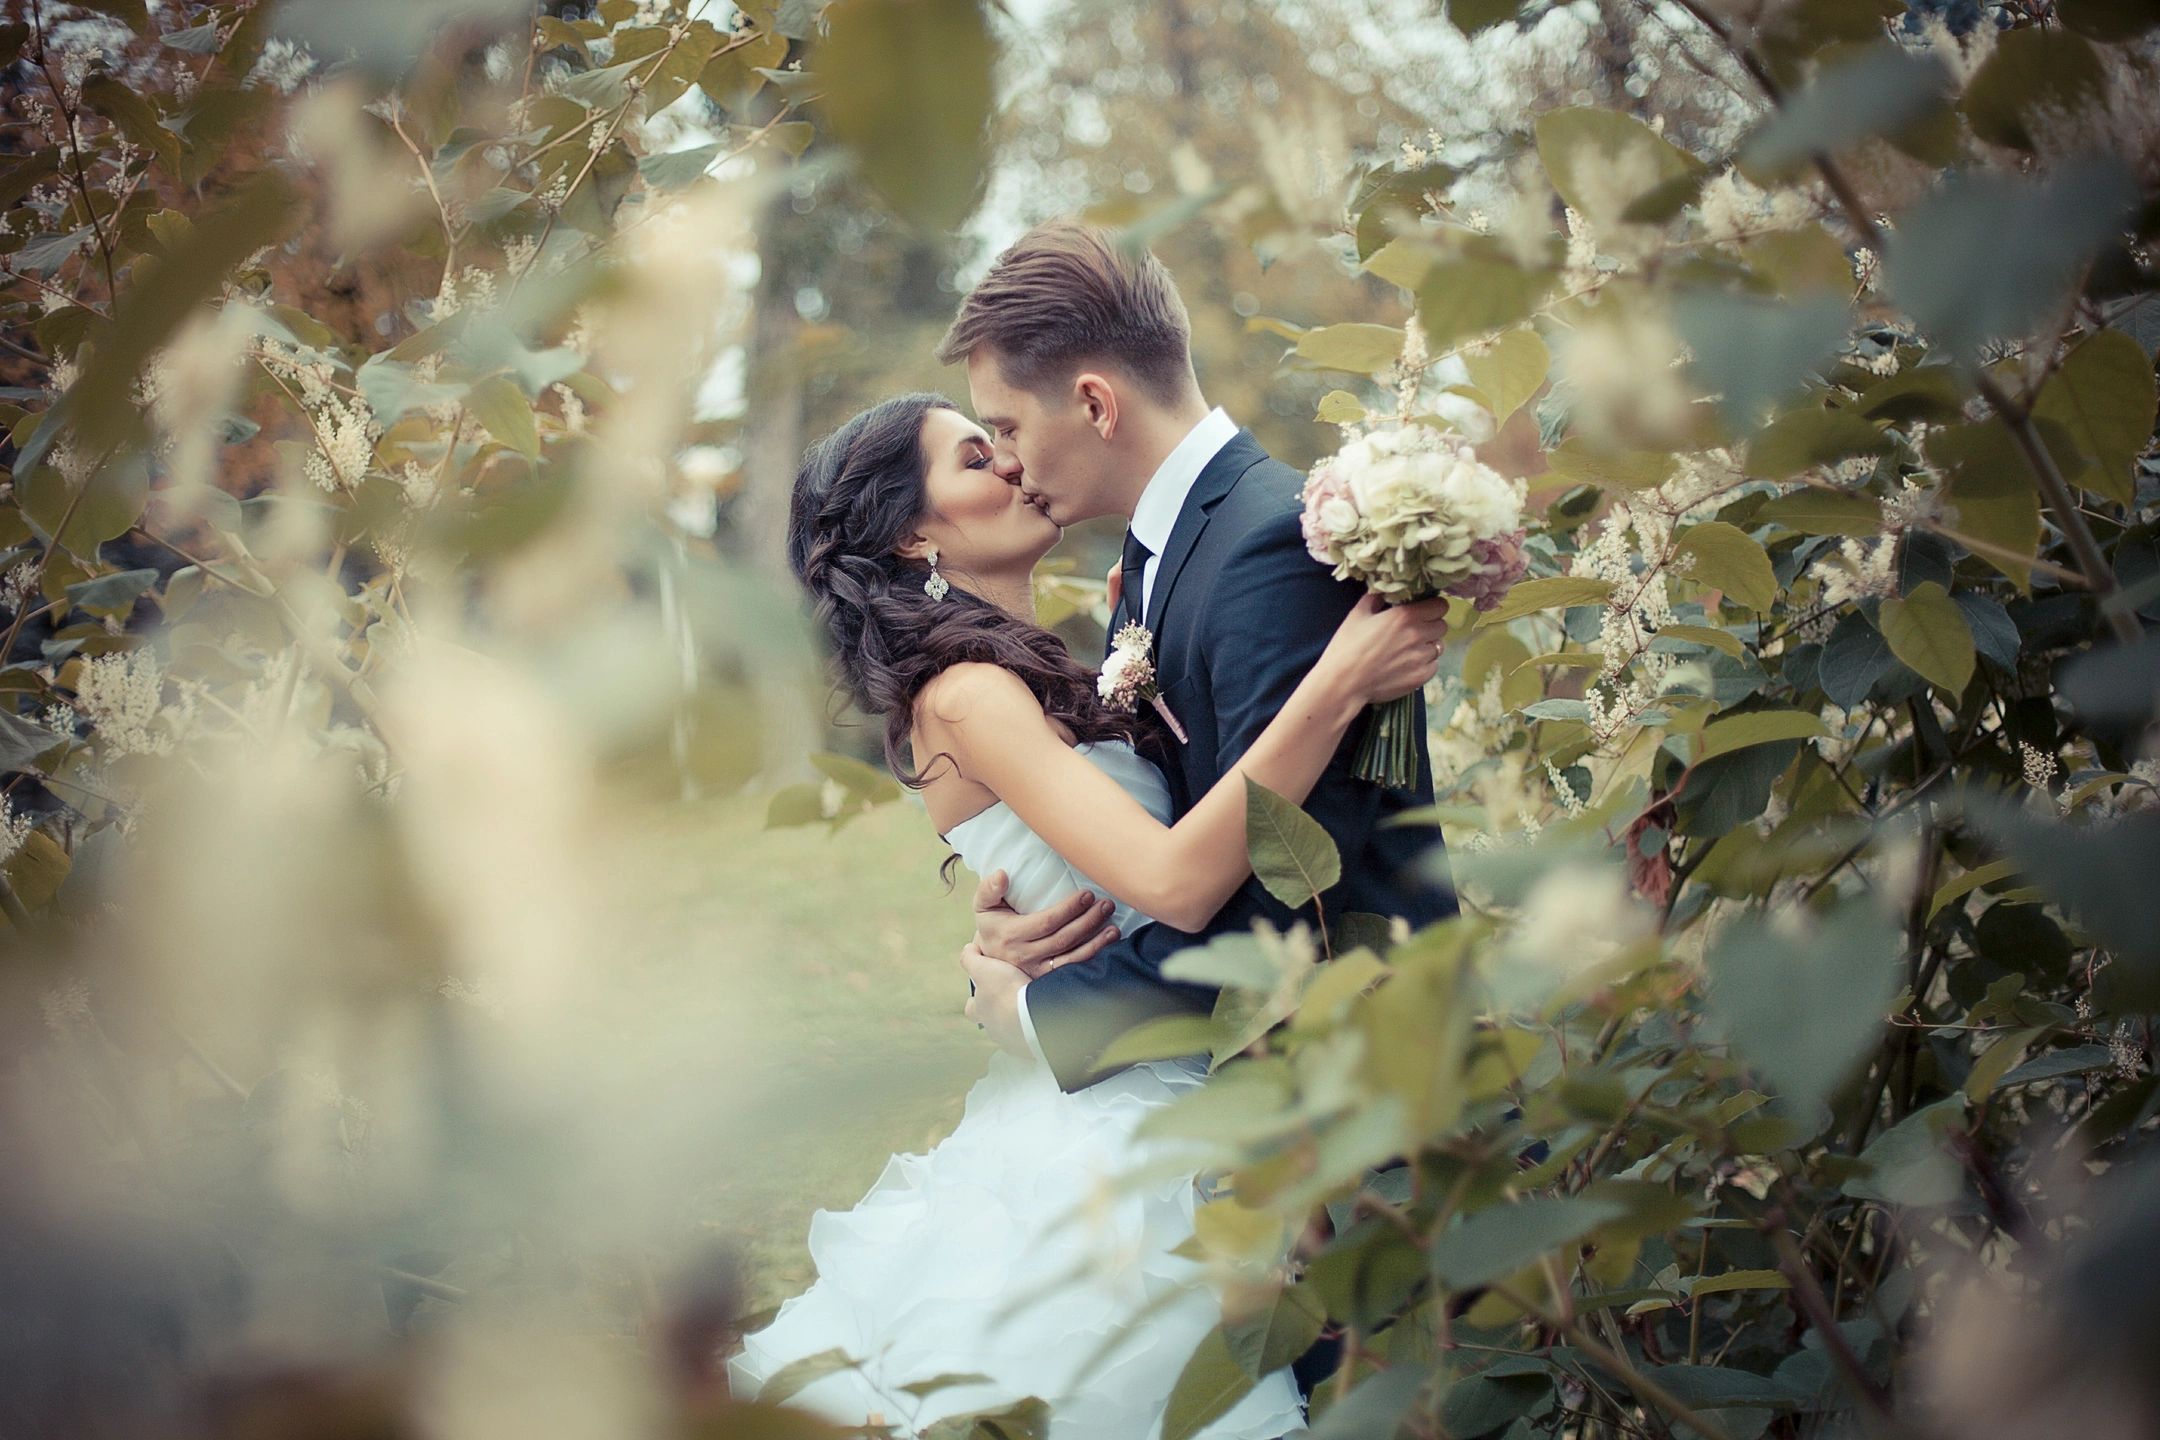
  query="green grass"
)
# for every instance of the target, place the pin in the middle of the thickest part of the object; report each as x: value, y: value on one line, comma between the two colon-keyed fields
x: 836, y: 955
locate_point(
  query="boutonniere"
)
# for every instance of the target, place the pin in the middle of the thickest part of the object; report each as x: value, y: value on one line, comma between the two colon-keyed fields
x: 1128, y: 676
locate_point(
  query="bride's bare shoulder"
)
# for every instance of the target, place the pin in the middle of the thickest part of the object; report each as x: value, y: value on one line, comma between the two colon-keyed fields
x: 973, y: 691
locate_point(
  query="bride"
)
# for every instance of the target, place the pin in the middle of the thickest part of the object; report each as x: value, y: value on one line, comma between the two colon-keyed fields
x: 1004, y: 1255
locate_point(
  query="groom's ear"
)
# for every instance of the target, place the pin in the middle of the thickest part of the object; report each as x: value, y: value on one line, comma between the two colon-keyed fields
x: 1098, y: 401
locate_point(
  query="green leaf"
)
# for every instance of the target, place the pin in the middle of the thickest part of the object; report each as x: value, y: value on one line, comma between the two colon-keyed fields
x: 1881, y: 90
x: 1573, y: 142
x: 1733, y: 1280
x: 1908, y: 1164
x: 498, y: 404
x: 1234, y: 959
x: 1492, y: 1244
x: 1727, y: 558
x: 1211, y: 1382
x: 1993, y: 493
x: 2109, y: 21
x: 1402, y: 261
x: 1755, y: 352
x: 1989, y: 1068
x: 1484, y: 1403
x: 1758, y: 727
x: 1291, y: 854
x: 1927, y: 631
x: 794, y: 805
x: 2035, y: 75
x: 1728, y: 790
x: 1360, y: 348
x: 1531, y: 596
x: 797, y: 1375
x: 111, y: 592
x: 1809, y: 260
x: 2103, y: 396
x: 2074, y: 1060
x: 1823, y: 512
x: 1340, y: 407
x: 1376, y: 1407
x: 1802, y: 1009
x: 1577, y: 459
x: 1468, y: 296
x: 1968, y: 882
x: 908, y: 90
x: 1510, y: 371
x: 1804, y: 439
x: 679, y: 168
x: 1471, y: 16
x: 1989, y: 255
x: 1723, y: 640
x: 865, y: 782
x: 23, y: 741
x: 1277, y: 1335
x: 110, y: 500
x: 1165, y: 1037
x: 1853, y: 659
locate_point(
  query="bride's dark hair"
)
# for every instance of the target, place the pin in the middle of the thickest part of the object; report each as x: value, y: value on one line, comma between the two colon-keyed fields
x: 857, y: 496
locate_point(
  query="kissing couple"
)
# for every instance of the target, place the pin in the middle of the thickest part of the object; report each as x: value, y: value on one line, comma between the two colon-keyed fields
x: 1108, y: 831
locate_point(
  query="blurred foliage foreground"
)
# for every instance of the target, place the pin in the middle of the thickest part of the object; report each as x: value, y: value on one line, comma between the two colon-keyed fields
x: 1802, y: 800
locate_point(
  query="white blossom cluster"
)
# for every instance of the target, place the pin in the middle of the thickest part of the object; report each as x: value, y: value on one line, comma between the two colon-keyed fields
x: 344, y: 425
x: 1732, y: 208
x: 14, y: 829
x: 1859, y: 569
x: 124, y: 695
x: 1639, y: 605
x: 282, y: 65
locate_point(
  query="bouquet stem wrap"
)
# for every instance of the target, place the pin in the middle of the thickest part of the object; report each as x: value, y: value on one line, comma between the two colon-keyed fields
x: 1387, y: 755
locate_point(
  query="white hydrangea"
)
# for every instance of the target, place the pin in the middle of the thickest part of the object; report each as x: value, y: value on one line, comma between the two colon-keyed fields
x: 1408, y: 511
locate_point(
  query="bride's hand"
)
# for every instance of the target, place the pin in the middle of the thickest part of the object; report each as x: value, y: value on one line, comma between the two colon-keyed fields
x: 1381, y: 651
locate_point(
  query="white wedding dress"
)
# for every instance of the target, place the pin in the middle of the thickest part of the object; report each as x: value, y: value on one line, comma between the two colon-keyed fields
x: 971, y: 1260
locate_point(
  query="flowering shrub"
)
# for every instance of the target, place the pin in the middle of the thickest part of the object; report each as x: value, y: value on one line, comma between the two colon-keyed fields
x: 1794, y: 1047
x: 1790, y: 1068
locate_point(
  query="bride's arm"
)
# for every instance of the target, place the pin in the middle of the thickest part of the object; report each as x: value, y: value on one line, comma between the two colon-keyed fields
x: 995, y: 730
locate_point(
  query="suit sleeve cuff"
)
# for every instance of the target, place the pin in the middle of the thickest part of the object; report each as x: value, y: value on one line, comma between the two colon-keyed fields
x: 1027, y: 1028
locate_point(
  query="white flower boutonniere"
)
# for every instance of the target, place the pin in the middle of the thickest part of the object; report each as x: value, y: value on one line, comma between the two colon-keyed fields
x: 1128, y: 676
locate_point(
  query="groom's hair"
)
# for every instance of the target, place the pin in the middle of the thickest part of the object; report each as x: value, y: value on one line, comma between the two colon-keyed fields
x: 1066, y: 293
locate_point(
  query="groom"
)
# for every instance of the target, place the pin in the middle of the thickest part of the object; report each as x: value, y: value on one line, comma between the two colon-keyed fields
x: 1079, y: 365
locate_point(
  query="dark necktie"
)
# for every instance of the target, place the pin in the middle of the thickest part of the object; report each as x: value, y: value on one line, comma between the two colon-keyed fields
x: 1134, y: 566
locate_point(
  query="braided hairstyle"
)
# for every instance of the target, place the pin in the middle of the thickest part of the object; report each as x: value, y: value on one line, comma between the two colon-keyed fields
x: 858, y: 495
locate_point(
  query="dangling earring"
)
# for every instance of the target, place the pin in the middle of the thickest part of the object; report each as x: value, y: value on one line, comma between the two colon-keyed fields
x: 937, y: 586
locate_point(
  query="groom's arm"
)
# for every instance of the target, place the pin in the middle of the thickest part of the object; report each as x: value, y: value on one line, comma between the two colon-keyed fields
x: 1271, y: 613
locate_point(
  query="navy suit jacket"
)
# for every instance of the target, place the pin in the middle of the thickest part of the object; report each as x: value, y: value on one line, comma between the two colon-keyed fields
x: 1240, y: 612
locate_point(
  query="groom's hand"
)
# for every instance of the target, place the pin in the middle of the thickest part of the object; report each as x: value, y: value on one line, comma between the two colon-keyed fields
x: 995, y: 1005
x: 1070, y: 931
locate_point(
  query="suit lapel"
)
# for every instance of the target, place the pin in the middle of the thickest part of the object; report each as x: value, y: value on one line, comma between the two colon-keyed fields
x: 1240, y: 454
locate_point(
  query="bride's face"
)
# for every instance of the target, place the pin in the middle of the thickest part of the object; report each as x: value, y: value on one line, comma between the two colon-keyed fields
x: 981, y: 523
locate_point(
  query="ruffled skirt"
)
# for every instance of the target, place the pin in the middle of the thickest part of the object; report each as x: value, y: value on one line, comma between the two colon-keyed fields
x: 1004, y: 1253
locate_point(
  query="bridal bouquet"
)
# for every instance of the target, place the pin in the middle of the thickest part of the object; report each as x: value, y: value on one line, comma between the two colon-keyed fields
x: 1412, y: 514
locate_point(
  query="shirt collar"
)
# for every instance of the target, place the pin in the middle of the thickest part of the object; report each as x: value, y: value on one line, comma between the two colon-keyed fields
x: 1156, y: 513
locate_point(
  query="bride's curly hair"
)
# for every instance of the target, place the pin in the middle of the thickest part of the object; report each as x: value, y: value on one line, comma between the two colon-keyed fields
x: 857, y: 496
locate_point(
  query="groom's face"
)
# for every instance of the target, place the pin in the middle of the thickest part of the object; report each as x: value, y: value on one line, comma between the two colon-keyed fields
x: 1045, y: 444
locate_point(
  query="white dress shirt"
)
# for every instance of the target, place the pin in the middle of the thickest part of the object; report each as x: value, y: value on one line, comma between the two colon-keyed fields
x: 1154, y: 516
